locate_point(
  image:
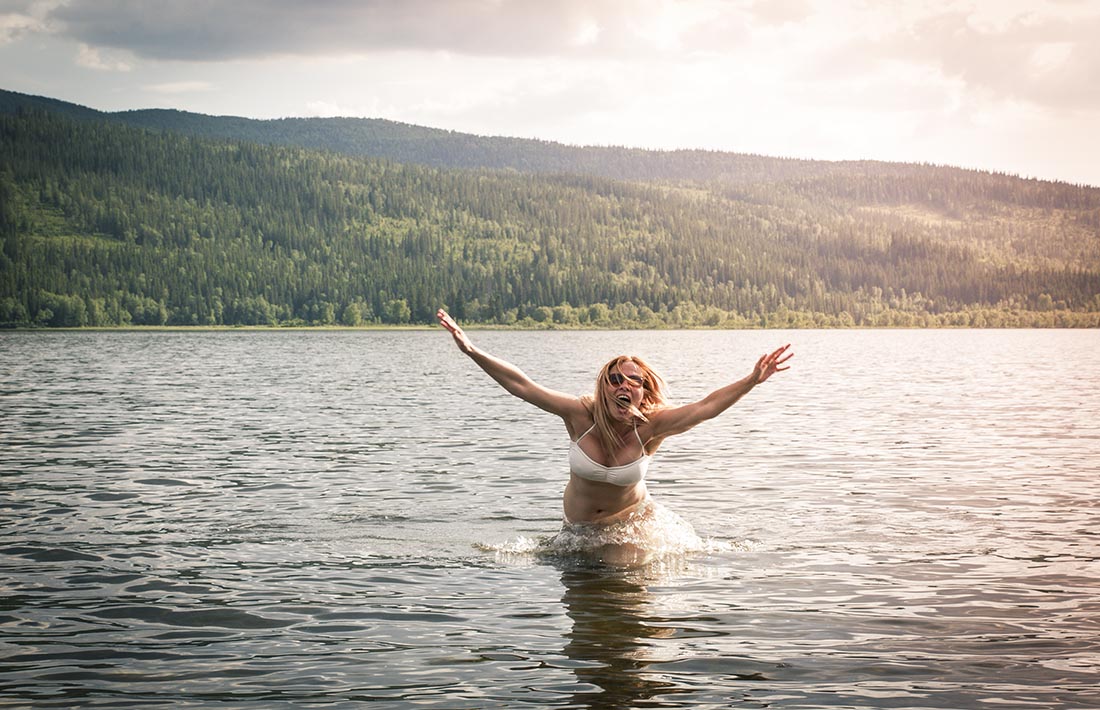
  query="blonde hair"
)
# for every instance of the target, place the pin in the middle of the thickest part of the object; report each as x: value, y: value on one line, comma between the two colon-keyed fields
x: 654, y: 398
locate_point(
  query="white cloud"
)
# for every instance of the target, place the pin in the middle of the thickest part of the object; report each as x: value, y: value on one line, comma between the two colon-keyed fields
x: 13, y: 26
x: 208, y: 30
x: 1046, y: 61
x: 1017, y: 49
x: 19, y: 18
x: 100, y: 60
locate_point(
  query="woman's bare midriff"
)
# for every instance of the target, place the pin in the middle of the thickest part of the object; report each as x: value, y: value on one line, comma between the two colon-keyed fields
x: 592, y: 502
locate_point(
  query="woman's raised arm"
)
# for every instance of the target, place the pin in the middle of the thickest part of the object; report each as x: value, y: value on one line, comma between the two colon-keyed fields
x: 511, y: 378
x: 677, y: 420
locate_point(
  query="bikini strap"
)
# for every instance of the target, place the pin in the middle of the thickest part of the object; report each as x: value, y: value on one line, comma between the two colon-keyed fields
x: 636, y: 435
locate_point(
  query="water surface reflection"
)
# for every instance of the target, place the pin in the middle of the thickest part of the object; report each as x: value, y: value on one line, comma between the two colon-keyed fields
x: 613, y: 640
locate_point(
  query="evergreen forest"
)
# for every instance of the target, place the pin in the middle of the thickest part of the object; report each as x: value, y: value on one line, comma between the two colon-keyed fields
x: 167, y: 218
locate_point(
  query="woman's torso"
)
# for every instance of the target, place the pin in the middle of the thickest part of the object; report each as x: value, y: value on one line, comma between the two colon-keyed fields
x: 602, y: 488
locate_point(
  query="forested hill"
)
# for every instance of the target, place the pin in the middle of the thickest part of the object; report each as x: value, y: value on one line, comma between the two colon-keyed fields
x: 105, y: 223
x: 405, y: 143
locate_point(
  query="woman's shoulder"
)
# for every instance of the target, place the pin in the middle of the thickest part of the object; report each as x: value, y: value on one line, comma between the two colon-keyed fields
x: 650, y: 428
x: 580, y: 420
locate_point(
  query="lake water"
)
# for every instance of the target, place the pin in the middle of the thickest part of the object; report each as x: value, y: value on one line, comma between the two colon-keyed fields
x: 317, y: 519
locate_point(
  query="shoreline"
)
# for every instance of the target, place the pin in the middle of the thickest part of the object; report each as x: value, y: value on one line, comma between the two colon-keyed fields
x: 492, y: 327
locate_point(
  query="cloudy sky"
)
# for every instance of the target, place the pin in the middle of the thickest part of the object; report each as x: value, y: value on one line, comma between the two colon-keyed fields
x: 1005, y: 85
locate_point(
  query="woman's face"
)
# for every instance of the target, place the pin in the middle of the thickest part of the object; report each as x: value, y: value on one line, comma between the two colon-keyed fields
x: 625, y: 388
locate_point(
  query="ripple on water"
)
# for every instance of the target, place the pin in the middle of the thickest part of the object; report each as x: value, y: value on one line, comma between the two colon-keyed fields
x: 49, y: 554
x: 281, y: 519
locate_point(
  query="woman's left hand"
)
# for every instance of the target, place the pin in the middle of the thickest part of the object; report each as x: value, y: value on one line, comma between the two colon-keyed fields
x: 770, y: 364
x: 461, y: 339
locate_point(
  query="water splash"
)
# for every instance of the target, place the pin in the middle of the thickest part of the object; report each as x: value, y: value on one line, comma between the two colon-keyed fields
x: 652, y: 533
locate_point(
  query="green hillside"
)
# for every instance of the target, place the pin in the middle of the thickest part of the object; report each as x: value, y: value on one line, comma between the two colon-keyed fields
x: 404, y: 143
x: 107, y: 223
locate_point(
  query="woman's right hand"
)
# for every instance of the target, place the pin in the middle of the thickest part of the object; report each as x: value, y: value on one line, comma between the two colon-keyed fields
x: 461, y: 339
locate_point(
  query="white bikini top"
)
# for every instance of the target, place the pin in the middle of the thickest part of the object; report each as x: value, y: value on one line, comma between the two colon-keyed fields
x: 581, y: 464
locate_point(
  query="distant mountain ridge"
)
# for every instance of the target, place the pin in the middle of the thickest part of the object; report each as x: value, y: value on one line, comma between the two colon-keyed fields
x: 407, y: 143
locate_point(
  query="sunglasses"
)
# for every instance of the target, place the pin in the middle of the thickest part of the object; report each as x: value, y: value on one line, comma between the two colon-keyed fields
x: 617, y: 378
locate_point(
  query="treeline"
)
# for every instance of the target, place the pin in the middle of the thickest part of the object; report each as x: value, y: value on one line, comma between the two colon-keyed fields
x: 124, y: 309
x: 106, y: 224
x: 405, y: 143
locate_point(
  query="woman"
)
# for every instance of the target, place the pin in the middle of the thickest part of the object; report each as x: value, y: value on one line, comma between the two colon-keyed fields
x: 614, y: 432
